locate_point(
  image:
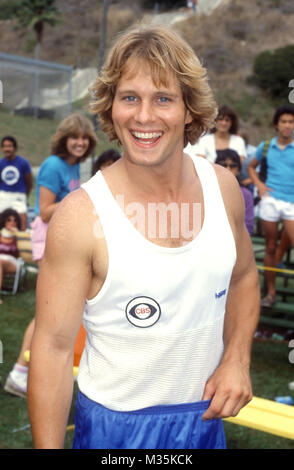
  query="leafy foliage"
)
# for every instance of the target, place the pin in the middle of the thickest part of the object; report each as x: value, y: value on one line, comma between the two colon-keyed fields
x: 36, y: 13
x: 9, y: 9
x: 273, y: 71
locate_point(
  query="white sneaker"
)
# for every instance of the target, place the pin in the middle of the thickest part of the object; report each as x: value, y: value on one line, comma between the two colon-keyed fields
x: 16, y: 387
x: 291, y: 385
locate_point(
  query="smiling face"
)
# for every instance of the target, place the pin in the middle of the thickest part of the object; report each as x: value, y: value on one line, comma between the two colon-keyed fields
x: 223, y: 123
x: 149, y: 120
x: 77, y: 146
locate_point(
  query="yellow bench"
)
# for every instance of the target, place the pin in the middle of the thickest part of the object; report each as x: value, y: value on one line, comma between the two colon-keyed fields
x: 267, y: 416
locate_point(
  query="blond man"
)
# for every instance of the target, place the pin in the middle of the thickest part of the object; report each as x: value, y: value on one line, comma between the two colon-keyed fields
x: 156, y: 247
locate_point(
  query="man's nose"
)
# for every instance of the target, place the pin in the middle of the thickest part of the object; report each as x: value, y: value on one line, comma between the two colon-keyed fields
x: 145, y: 112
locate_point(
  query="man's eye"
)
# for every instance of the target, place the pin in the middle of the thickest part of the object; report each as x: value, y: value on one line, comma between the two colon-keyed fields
x: 129, y: 98
x: 163, y: 99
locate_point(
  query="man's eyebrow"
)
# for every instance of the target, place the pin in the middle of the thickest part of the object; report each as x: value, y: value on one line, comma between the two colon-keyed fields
x: 123, y: 92
x: 165, y: 92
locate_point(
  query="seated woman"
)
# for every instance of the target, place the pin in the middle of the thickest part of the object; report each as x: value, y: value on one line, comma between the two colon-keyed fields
x: 9, y: 223
x: 231, y: 160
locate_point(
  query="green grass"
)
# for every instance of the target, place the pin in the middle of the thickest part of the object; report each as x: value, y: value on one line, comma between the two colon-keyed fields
x: 15, y: 314
x: 33, y: 135
x: 271, y: 372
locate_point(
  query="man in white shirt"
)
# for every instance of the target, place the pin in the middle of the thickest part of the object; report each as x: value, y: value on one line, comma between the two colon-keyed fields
x: 137, y: 288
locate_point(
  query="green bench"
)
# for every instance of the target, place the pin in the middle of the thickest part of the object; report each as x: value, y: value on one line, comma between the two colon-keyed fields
x: 281, y: 314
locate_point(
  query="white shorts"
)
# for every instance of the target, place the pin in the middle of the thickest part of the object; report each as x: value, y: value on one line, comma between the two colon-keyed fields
x: 274, y: 210
x: 16, y: 201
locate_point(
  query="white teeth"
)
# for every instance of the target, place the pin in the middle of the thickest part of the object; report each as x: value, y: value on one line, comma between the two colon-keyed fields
x: 147, y: 135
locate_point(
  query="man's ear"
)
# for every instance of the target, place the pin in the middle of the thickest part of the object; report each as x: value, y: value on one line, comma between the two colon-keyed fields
x: 188, y: 118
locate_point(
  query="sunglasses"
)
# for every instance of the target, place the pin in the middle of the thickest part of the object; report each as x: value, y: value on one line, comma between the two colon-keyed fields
x: 229, y: 165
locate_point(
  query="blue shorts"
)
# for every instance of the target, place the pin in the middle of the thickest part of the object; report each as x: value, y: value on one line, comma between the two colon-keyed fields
x: 156, y: 427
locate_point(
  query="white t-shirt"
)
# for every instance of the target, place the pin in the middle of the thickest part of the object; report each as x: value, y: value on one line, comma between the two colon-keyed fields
x: 206, y: 146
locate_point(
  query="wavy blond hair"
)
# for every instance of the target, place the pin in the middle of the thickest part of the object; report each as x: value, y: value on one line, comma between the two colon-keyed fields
x: 165, y: 51
x: 74, y: 125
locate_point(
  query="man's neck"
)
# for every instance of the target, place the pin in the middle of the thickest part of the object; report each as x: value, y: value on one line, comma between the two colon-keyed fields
x: 151, y: 182
x: 159, y: 183
x: 11, y: 157
x: 284, y: 141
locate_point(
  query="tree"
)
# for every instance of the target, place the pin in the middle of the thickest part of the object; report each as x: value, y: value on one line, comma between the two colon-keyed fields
x: 35, y: 14
x: 273, y: 70
x: 8, y: 9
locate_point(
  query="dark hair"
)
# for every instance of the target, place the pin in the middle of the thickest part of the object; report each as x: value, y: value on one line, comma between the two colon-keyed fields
x: 110, y: 155
x: 11, y: 139
x: 285, y: 109
x: 226, y: 111
x: 8, y: 213
x: 228, y: 153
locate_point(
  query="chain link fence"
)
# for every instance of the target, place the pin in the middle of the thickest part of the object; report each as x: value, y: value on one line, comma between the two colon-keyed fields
x: 35, y: 87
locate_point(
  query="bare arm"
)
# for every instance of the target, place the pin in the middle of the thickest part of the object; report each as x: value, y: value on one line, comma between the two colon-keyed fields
x: 62, y: 287
x: 262, y: 188
x: 47, y: 204
x: 29, y: 183
x: 247, y: 182
x: 230, y: 386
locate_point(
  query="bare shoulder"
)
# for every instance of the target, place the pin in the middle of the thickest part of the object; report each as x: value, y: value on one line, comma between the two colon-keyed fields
x: 71, y: 226
x: 73, y: 205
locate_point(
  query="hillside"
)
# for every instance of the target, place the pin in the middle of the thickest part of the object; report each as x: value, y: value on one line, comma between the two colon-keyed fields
x: 226, y: 41
x: 76, y: 40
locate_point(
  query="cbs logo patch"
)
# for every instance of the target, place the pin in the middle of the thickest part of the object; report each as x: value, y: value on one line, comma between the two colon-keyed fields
x: 143, y: 312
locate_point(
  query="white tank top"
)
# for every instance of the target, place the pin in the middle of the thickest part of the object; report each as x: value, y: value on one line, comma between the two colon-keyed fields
x: 155, y: 329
